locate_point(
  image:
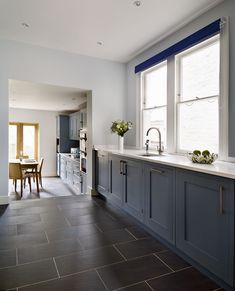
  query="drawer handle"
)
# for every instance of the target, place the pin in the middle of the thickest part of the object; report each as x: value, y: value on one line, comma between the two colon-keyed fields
x: 221, y: 200
x: 121, y: 167
x: 125, y: 169
x: 157, y: 171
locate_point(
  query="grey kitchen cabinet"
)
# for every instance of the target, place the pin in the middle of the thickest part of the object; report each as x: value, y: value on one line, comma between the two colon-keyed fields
x: 62, y: 126
x: 84, y: 183
x: 63, y: 165
x: 74, y: 125
x: 126, y: 185
x: 205, y: 221
x: 159, y: 185
x: 102, y: 173
x: 83, y: 118
x: 116, y: 180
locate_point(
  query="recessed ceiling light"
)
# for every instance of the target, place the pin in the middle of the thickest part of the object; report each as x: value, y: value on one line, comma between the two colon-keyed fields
x: 25, y: 25
x: 99, y: 42
x: 137, y: 3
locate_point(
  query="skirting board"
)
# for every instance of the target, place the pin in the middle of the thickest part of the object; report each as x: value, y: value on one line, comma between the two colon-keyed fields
x: 4, y: 200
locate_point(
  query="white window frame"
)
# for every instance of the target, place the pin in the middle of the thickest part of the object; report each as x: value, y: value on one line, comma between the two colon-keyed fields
x: 171, y: 99
x: 143, y: 94
x: 178, y: 86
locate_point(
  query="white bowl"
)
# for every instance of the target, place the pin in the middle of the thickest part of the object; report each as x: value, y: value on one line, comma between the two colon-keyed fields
x: 200, y: 159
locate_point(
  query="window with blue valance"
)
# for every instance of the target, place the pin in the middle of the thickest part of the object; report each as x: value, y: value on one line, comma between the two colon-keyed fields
x: 197, y: 37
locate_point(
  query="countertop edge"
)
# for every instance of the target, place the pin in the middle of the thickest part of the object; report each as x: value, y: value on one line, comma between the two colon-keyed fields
x: 218, y: 168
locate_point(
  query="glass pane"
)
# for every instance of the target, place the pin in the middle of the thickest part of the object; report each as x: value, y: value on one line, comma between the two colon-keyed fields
x: 200, y: 72
x: 198, y: 125
x: 28, y: 141
x: 155, y: 84
x: 12, y: 141
x: 154, y: 118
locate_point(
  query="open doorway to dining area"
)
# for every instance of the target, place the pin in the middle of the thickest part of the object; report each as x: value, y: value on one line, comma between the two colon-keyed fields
x: 47, y: 140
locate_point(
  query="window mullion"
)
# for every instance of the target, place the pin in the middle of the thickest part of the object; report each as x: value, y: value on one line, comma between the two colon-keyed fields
x: 171, y: 135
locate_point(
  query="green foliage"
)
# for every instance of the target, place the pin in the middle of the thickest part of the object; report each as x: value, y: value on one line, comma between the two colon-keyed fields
x: 121, y: 127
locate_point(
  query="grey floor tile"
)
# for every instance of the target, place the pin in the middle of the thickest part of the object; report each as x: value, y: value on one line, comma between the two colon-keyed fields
x: 140, y: 247
x: 16, y: 241
x: 81, y: 211
x: 172, y: 260
x: 185, y: 280
x: 8, y: 230
x: 49, y: 250
x: 36, y: 227
x: 52, y: 216
x: 27, y: 274
x: 76, y: 205
x: 72, y: 232
x: 137, y: 287
x: 30, y: 210
x: 11, y: 220
x: 110, y: 225
x: 89, y: 218
x: 106, y: 238
x: 138, y: 232
x: 130, y: 272
x: 87, y: 259
x: 7, y: 258
x: 87, y: 281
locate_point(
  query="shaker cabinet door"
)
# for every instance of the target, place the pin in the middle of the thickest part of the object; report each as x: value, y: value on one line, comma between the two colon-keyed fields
x: 116, y: 180
x: 132, y: 191
x: 205, y: 221
x: 159, y: 186
x: 102, y: 173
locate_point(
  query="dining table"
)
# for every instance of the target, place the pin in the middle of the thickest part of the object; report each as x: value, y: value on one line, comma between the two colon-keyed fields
x: 28, y: 164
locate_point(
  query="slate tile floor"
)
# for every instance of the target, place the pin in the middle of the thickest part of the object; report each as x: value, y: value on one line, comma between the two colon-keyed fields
x: 80, y: 243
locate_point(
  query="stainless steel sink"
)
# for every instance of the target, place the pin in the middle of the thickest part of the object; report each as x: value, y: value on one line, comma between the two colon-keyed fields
x: 150, y: 155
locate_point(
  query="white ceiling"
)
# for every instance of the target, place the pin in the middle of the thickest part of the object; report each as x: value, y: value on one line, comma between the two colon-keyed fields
x: 77, y: 25
x: 27, y: 95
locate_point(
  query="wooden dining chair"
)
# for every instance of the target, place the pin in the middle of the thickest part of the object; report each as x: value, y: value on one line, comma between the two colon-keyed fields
x: 39, y: 171
x: 16, y: 173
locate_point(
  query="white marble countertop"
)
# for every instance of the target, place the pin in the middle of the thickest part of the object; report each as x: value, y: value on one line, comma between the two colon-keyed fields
x: 218, y: 168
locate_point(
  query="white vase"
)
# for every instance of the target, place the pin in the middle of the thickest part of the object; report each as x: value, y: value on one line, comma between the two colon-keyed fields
x: 120, y: 143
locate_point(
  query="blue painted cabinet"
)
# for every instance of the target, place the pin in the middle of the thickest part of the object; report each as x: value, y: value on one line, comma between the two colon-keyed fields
x: 116, y: 180
x: 159, y: 185
x: 205, y: 221
x: 102, y: 173
x: 133, y: 201
x: 126, y: 185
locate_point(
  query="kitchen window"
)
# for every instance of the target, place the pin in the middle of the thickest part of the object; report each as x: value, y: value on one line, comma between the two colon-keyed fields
x: 197, y: 97
x: 23, y: 140
x: 154, y: 113
x: 186, y: 94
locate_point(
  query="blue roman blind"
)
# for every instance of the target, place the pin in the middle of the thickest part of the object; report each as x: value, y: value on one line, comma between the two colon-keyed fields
x: 198, y: 36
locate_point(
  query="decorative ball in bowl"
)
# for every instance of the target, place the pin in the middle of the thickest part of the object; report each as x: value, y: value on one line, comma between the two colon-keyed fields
x: 204, y: 157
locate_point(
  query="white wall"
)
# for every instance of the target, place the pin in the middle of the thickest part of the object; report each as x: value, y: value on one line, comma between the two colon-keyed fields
x: 226, y: 8
x: 106, y: 80
x: 47, y: 134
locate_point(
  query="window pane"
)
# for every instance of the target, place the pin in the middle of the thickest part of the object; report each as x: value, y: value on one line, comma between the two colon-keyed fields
x: 198, y: 126
x: 155, y: 84
x: 200, y: 72
x: 154, y: 118
x: 28, y: 140
x: 12, y: 141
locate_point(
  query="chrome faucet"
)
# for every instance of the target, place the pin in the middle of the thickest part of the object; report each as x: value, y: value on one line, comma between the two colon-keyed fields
x: 160, y: 147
